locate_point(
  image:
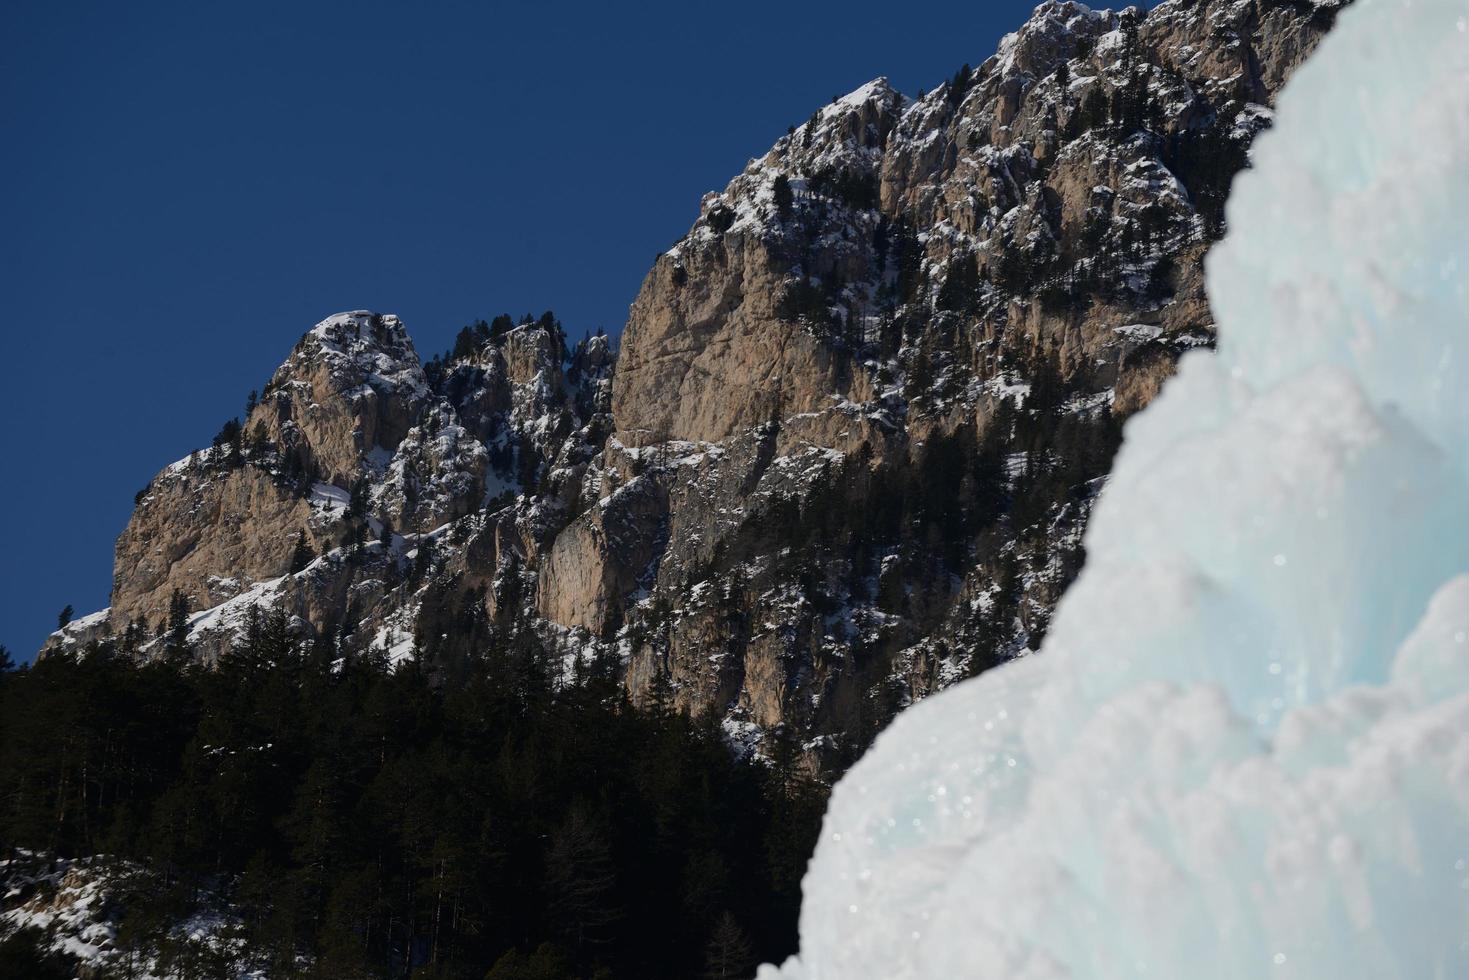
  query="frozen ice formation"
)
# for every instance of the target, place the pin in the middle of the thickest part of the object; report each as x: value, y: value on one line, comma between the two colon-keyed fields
x: 1244, y: 750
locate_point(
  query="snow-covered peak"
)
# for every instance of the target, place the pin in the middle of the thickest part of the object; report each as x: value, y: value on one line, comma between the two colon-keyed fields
x: 1050, y: 37
x: 360, y: 347
x: 336, y: 326
x: 362, y: 331
x: 879, y: 89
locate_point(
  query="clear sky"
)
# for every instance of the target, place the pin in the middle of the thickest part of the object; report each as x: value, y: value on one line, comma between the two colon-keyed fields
x: 188, y: 187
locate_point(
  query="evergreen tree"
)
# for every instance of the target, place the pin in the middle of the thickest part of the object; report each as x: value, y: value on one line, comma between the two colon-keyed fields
x: 63, y: 617
x: 377, y: 822
x: 581, y: 880
x: 1128, y: 26
x: 25, y: 954
x: 728, y: 954
x: 357, y: 498
x: 660, y: 696
x: 301, y: 555
x: 784, y: 199
x: 464, y: 345
x: 546, y: 963
x: 227, y: 445
x: 958, y: 86
x: 178, y: 621
x: 960, y: 291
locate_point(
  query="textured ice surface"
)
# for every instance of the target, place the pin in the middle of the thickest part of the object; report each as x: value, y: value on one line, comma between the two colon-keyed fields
x: 1244, y: 750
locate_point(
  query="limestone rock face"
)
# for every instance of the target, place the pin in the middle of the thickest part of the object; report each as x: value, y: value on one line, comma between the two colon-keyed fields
x: 206, y: 531
x: 707, y: 352
x: 1079, y: 171
x: 602, y: 557
x: 847, y: 451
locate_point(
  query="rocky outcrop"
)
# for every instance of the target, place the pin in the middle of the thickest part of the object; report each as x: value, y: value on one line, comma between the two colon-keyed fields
x: 74, y: 908
x: 847, y: 452
x: 353, y: 480
x: 602, y: 557
x: 350, y: 391
x: 207, y: 530
x: 707, y: 351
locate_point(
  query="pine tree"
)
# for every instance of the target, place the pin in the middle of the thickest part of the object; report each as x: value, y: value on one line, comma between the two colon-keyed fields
x: 784, y: 199
x: 1128, y: 25
x: 464, y: 345
x: 357, y: 498
x: 546, y: 963
x: 528, y: 463
x: 1090, y: 114
x: 660, y: 697
x: 728, y: 954
x: 958, y: 86
x: 581, y: 881
x: 960, y: 291
x: 301, y: 555
x: 227, y: 444
x: 178, y: 621
x: 63, y: 618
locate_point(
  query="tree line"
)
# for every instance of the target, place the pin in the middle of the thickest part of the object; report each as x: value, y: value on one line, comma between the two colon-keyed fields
x: 374, y: 822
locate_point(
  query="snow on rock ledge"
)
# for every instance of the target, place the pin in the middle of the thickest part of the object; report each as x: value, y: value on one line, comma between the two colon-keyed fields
x: 1244, y: 750
x: 354, y: 382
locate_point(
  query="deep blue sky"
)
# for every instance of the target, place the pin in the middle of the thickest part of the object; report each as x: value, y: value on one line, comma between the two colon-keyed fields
x: 189, y: 187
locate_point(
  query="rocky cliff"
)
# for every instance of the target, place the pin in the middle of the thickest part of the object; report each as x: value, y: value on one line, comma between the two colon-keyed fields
x: 848, y: 448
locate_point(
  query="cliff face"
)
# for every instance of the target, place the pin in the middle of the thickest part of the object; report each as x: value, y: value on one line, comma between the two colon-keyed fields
x: 852, y: 437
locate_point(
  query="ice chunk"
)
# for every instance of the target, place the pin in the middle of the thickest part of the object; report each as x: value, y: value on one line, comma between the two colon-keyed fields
x: 1244, y: 749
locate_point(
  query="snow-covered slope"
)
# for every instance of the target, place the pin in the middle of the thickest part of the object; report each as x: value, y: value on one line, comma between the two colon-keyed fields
x: 75, y: 907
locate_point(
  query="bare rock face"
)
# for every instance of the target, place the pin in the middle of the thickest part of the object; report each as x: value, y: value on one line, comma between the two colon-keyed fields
x: 599, y: 559
x: 207, y: 531
x: 848, y: 450
x: 708, y: 351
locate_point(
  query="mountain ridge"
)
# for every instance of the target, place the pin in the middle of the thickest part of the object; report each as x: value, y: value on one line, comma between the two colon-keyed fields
x: 846, y: 452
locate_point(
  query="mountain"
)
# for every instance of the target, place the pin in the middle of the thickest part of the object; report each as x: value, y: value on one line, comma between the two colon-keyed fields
x: 845, y: 457
x: 850, y: 443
